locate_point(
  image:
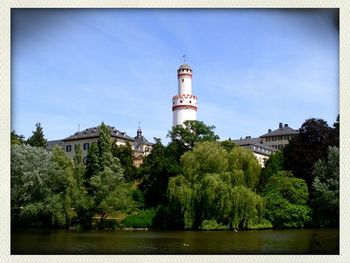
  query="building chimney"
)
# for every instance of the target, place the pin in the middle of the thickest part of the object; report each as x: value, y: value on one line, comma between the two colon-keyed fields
x: 281, y: 125
x: 269, y: 130
x: 286, y: 125
x: 247, y: 137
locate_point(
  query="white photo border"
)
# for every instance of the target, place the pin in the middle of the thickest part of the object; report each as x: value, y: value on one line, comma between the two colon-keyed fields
x: 5, y: 125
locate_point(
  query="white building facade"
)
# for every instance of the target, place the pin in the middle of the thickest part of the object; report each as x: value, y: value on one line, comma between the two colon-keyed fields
x: 185, y: 104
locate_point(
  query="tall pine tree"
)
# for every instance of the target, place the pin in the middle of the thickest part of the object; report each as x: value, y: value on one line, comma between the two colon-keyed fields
x: 37, y: 139
x: 106, y: 176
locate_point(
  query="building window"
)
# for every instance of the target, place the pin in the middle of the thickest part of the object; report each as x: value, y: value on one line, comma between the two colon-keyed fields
x: 84, y: 160
x: 86, y: 146
x: 182, y: 80
x: 68, y: 148
x: 180, y: 101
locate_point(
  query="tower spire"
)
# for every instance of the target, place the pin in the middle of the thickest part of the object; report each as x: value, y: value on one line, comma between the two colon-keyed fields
x: 139, y: 131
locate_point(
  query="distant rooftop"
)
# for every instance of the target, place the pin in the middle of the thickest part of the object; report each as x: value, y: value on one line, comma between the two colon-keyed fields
x: 51, y: 144
x: 282, y: 130
x: 249, y: 142
x: 142, y: 141
x: 94, y: 132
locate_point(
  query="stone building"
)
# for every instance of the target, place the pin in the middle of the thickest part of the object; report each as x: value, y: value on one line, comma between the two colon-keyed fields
x: 140, y: 145
x: 280, y: 137
x: 268, y: 143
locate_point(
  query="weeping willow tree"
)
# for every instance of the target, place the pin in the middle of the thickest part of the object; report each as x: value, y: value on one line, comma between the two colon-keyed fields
x: 217, y: 185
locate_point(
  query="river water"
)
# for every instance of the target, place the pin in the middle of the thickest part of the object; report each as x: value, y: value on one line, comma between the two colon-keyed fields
x: 304, y: 241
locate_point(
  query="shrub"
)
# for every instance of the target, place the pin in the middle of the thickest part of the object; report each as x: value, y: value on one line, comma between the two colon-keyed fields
x: 142, y: 219
x: 264, y: 224
x: 212, y: 225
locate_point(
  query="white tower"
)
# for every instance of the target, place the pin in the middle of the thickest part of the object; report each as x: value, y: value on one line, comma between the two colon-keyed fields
x: 184, y: 103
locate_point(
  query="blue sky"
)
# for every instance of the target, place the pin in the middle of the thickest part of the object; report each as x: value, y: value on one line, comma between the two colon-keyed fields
x: 252, y: 68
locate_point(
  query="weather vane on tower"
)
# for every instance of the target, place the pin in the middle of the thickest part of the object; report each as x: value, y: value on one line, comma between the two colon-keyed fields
x: 184, y: 56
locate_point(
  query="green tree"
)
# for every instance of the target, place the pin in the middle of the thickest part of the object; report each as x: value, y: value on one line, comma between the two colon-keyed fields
x: 157, y: 168
x: 248, y: 208
x: 110, y: 193
x: 164, y: 162
x: 65, y: 194
x: 37, y: 139
x: 125, y: 154
x: 242, y: 159
x: 274, y: 164
x: 104, y: 145
x: 286, y: 198
x: 43, y: 187
x: 216, y: 189
x: 92, y: 162
x: 326, y: 189
x: 17, y: 139
x: 206, y: 157
x: 31, y: 170
x: 336, y: 132
x: 181, y: 195
x: 79, y: 167
x: 106, y: 176
x: 191, y: 132
x: 310, y: 145
x: 84, y: 210
x: 228, y: 145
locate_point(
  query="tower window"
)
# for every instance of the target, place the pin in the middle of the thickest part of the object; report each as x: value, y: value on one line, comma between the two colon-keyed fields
x: 190, y: 101
x: 186, y: 107
x: 180, y: 101
x: 182, y: 80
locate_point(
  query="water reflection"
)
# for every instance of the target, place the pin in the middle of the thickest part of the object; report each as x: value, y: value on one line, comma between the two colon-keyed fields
x: 308, y: 241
